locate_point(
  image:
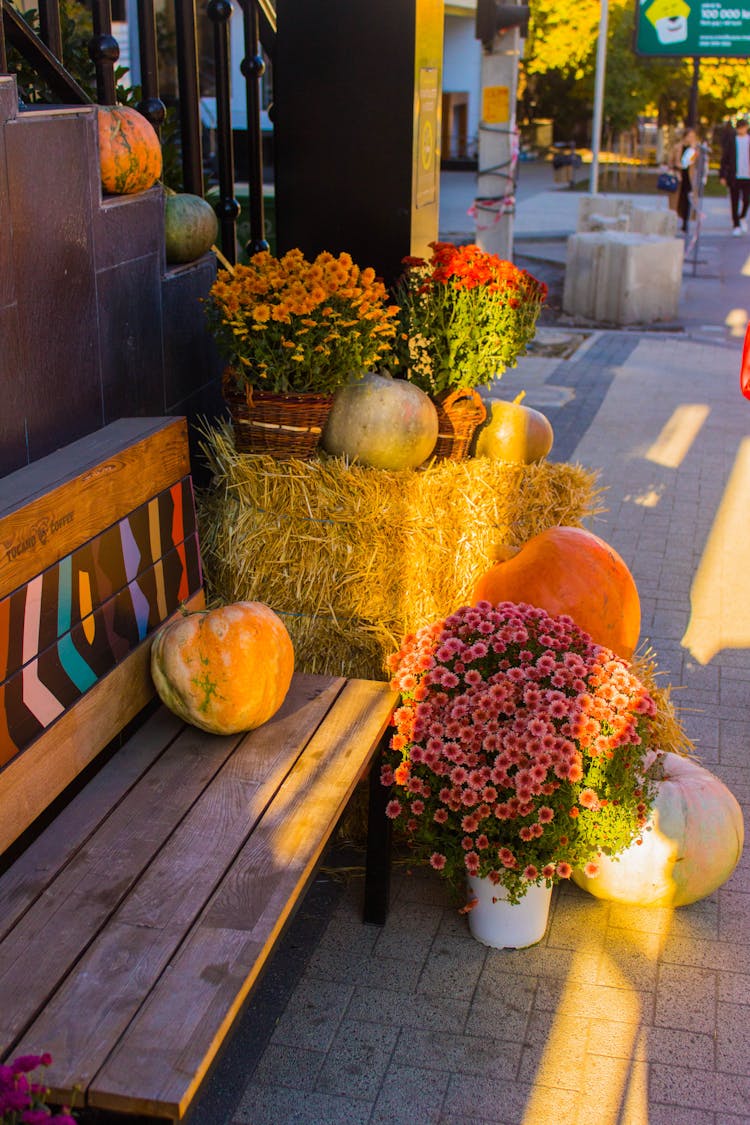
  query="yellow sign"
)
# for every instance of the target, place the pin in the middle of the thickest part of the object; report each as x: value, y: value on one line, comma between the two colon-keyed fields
x: 496, y: 105
x: 667, y: 10
x: 427, y: 164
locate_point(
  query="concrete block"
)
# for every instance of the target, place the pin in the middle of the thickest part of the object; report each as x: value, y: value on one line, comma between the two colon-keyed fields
x: 621, y: 277
x: 601, y: 212
x: 607, y: 222
x: 649, y: 220
x: 595, y: 210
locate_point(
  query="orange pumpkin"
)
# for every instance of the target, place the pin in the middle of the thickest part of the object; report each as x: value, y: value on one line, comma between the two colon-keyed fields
x: 224, y: 670
x: 570, y: 570
x: 129, y: 150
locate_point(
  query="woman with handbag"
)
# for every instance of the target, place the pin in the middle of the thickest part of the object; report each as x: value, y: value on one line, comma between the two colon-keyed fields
x: 682, y: 157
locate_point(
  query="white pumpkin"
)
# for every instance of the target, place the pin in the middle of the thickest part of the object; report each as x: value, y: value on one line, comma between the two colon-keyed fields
x: 693, y: 846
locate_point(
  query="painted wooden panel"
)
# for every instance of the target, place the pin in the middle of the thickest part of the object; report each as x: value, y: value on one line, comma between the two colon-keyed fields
x: 50, y: 508
x: 98, y: 547
x: 32, y: 780
x: 58, y: 675
x: 68, y: 592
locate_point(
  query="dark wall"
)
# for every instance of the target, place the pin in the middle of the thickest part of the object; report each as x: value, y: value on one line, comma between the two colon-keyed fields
x: 93, y: 325
x: 347, y: 121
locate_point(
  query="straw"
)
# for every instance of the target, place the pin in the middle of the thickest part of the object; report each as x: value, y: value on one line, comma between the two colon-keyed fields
x: 667, y: 730
x: 352, y: 558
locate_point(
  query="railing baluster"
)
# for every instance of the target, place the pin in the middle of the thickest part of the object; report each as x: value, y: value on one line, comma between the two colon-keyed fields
x: 104, y: 52
x: 228, y: 209
x: 187, y: 75
x: 49, y: 26
x: 150, y: 105
x: 252, y: 68
x: 38, y: 55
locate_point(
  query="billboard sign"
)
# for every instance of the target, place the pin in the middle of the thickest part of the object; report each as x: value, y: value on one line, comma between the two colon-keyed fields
x: 708, y: 28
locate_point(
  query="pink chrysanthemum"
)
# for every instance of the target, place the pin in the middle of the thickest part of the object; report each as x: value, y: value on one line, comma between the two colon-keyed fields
x: 512, y: 723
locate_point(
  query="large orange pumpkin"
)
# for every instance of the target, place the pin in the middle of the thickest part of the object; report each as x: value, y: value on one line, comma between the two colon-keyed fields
x: 224, y: 670
x: 570, y: 570
x: 129, y: 150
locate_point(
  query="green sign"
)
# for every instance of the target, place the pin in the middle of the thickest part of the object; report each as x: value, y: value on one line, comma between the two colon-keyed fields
x: 719, y: 29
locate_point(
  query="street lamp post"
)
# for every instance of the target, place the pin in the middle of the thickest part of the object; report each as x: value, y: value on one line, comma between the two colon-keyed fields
x: 601, y: 65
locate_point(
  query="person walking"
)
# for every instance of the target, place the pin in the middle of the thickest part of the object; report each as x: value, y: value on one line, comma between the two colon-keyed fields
x: 682, y: 158
x: 734, y: 173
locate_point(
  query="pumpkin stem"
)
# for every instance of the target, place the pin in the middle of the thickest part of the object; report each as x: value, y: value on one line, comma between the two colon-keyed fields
x: 519, y: 398
x: 502, y: 552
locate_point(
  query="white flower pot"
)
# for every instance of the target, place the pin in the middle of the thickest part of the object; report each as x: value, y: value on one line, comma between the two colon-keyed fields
x: 505, y: 925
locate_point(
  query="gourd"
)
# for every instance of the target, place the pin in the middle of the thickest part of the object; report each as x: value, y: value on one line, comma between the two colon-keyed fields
x: 569, y: 570
x: 514, y: 432
x: 381, y: 422
x: 693, y: 846
x: 129, y: 150
x: 190, y: 227
x: 224, y: 670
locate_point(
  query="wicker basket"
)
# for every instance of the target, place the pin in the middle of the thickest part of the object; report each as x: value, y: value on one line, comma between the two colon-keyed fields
x: 459, y: 414
x: 280, y: 425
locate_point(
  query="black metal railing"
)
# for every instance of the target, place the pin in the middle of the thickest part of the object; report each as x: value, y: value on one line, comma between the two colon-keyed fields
x: 43, y: 52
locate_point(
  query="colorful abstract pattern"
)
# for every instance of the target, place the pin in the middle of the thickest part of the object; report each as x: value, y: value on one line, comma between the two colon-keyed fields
x: 68, y: 627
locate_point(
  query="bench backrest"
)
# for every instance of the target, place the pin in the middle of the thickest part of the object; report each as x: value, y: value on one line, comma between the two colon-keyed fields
x: 98, y: 546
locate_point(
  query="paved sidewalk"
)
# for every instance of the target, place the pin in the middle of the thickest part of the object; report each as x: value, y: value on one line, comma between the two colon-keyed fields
x: 621, y: 1016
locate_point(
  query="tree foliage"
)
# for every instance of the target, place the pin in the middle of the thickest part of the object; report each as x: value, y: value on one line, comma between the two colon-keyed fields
x: 559, y: 69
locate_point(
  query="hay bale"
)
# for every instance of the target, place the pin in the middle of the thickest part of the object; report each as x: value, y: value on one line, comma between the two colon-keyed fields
x: 352, y: 558
x: 667, y: 730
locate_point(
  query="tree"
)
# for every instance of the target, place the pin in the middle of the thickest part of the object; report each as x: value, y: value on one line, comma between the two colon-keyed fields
x: 560, y: 63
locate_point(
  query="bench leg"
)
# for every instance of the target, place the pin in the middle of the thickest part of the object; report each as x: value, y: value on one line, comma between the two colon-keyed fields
x: 378, y: 863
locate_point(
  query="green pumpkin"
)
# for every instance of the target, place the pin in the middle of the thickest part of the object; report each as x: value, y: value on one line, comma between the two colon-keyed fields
x: 190, y: 227
x: 381, y: 422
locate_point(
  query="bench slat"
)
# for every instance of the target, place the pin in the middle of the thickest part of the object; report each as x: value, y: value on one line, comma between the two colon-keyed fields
x: 83, y: 1021
x: 162, y: 1057
x: 56, y: 930
x: 74, y: 740
x: 45, y: 857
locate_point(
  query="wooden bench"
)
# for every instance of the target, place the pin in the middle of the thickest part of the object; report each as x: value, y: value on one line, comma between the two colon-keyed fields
x: 135, y: 921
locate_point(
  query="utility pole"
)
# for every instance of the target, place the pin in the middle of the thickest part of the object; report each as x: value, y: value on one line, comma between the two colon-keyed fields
x: 498, y: 27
